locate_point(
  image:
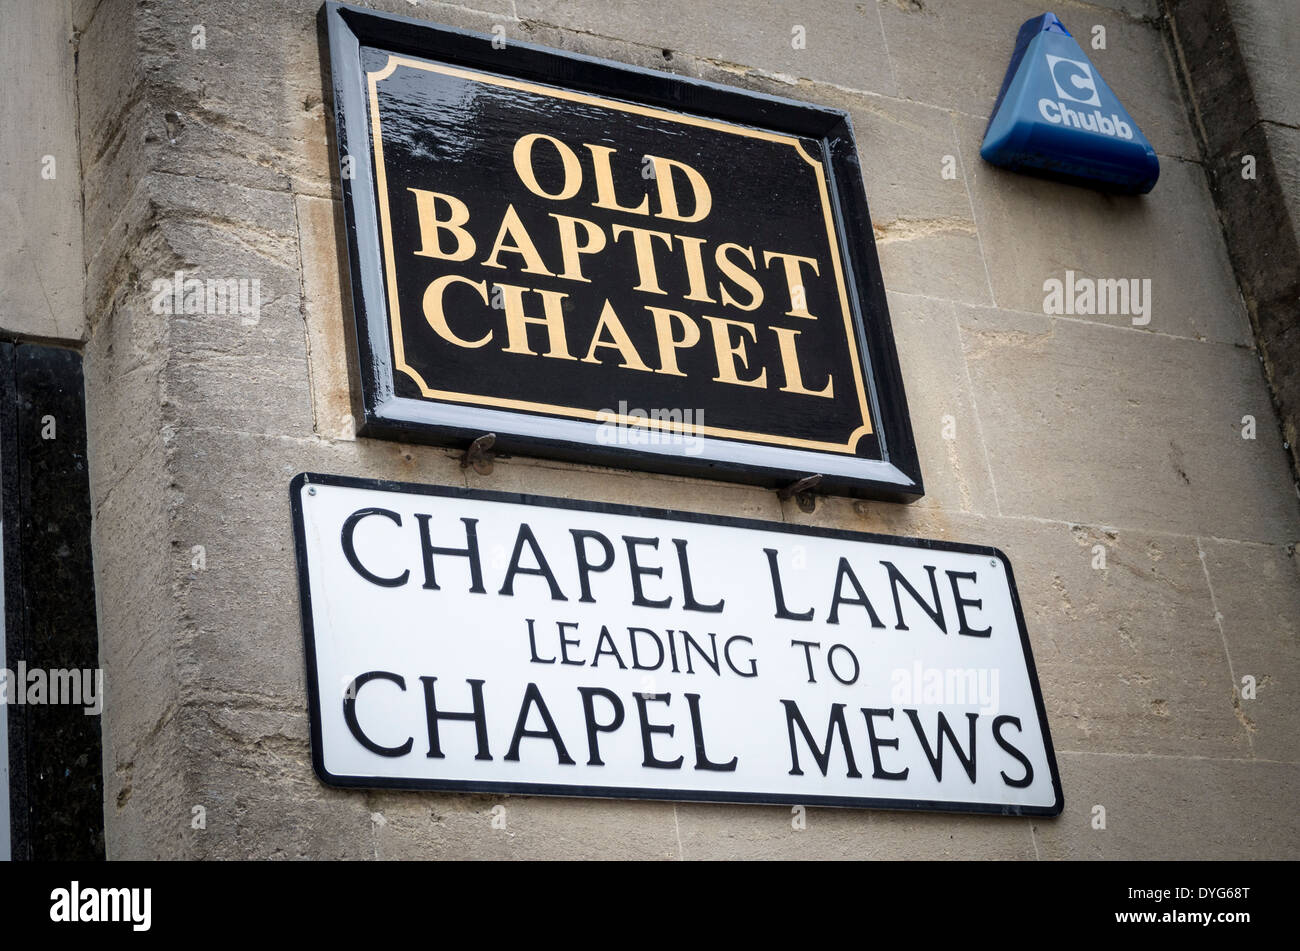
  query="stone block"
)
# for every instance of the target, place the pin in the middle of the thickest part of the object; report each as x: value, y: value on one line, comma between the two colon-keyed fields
x: 1099, y: 425
x: 326, y: 310
x: 454, y: 827
x: 1256, y: 593
x: 944, y: 422
x: 748, y: 833
x: 1267, y: 34
x: 839, y: 43
x: 1173, y: 808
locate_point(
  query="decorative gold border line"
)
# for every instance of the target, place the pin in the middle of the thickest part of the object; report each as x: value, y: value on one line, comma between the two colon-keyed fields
x: 399, y: 352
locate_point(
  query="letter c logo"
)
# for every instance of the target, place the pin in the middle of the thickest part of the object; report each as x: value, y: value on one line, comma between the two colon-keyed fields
x: 1073, y: 80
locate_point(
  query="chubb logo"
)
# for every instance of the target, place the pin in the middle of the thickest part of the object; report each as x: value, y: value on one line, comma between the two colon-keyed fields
x: 1075, y: 82
x: 1058, y: 113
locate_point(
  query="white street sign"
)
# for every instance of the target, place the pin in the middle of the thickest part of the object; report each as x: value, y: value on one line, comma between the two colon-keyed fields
x: 469, y: 640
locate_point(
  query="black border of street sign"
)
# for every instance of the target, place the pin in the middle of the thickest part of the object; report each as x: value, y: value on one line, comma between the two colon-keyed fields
x: 305, y: 479
x: 896, y: 476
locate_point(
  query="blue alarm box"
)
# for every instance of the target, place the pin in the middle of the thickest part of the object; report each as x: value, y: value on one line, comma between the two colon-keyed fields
x: 1056, y: 117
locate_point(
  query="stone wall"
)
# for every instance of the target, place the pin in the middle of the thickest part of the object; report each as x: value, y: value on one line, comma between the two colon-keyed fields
x: 1071, y: 436
x: 1238, y: 59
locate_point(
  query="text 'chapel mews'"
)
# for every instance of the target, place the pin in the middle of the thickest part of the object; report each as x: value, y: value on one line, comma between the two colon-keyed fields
x: 589, y: 270
x: 460, y: 639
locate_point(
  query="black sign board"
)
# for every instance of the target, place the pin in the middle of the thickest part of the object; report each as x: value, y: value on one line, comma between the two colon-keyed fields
x: 608, y: 264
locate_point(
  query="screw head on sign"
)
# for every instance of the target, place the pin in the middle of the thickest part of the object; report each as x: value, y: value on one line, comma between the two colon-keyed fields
x: 311, y: 490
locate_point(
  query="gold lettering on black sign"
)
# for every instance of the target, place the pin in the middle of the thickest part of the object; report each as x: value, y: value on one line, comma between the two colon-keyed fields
x: 542, y: 240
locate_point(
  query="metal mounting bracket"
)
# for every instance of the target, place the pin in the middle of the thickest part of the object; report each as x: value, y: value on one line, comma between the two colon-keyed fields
x: 479, y: 454
x: 802, y: 492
